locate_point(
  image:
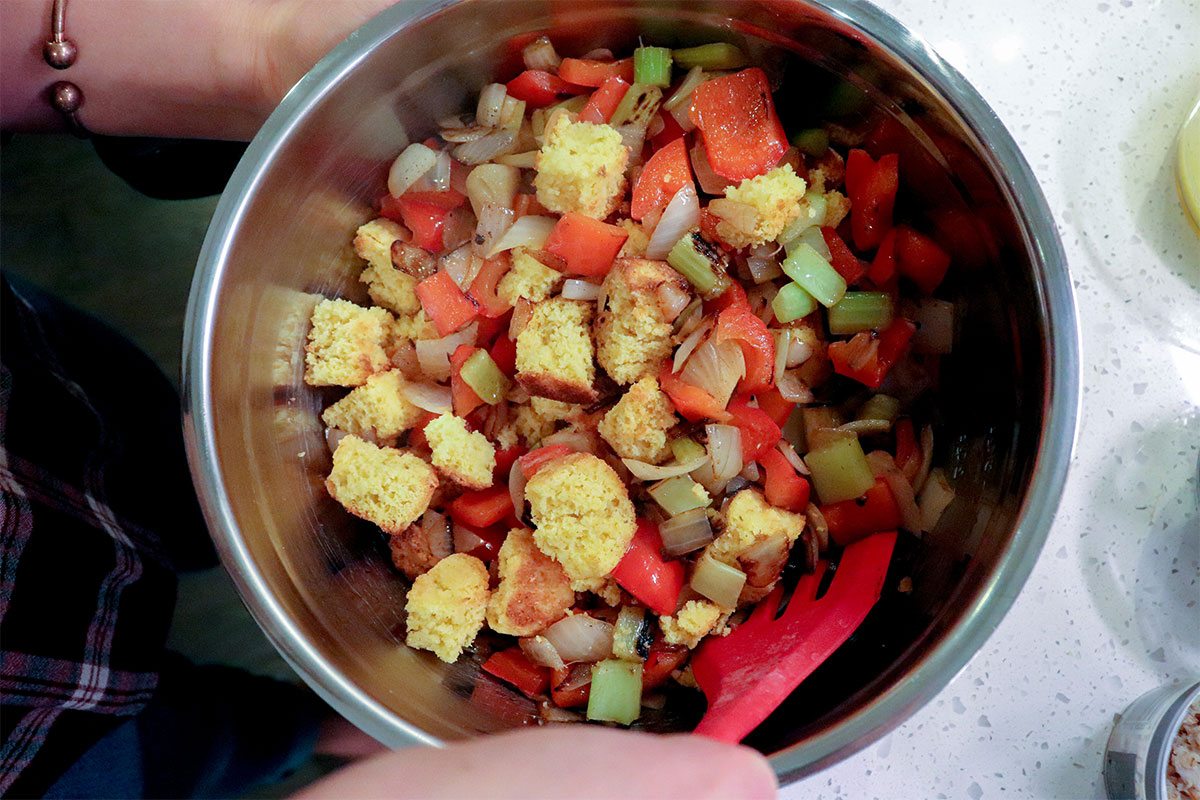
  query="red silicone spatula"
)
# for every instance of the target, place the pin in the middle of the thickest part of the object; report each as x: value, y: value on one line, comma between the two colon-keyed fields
x: 747, y: 674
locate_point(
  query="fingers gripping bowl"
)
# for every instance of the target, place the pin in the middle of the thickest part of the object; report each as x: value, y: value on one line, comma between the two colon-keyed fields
x: 323, y: 587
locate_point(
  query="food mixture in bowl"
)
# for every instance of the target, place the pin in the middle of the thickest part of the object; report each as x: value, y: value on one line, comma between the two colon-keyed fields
x: 637, y: 357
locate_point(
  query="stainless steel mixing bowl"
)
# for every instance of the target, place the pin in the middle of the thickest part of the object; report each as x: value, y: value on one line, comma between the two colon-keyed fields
x: 320, y: 584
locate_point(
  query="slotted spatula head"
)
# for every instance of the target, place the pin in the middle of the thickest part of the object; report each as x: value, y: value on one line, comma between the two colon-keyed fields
x: 747, y: 674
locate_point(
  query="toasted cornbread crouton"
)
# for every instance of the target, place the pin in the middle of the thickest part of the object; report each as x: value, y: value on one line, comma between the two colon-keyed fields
x: 528, y: 278
x: 632, y: 336
x: 583, y: 516
x: 446, y: 606
x: 750, y: 520
x: 464, y: 456
x: 690, y: 624
x: 636, y: 427
x: 635, y: 245
x: 389, y: 286
x: 346, y: 344
x: 536, y: 421
x: 417, y: 327
x: 555, y: 354
x: 775, y: 198
x: 534, y: 592
x: 379, y: 484
x: 837, y: 206
x: 580, y: 167
x: 376, y: 410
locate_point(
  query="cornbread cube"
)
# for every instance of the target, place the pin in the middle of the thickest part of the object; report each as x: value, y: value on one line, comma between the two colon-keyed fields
x: 446, y: 606
x: 346, y: 344
x: 464, y: 456
x: 555, y: 353
x: 534, y: 592
x: 583, y: 516
x: 379, y: 484
x: 691, y: 623
x: 528, y: 278
x: 837, y: 206
x: 635, y: 245
x: 538, y: 419
x: 376, y: 410
x: 633, y: 337
x: 416, y: 327
x: 775, y: 198
x: 388, y: 285
x: 749, y: 520
x: 636, y: 427
x: 580, y: 167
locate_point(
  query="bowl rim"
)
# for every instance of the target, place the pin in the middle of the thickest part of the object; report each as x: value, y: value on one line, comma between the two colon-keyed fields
x: 1055, y: 297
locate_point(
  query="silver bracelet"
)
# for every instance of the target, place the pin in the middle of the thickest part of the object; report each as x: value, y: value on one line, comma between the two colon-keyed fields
x: 60, y: 53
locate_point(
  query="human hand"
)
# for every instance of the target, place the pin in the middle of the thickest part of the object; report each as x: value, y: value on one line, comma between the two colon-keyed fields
x: 563, y: 761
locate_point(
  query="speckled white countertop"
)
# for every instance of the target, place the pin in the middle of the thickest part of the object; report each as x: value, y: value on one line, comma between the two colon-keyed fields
x: 1094, y: 92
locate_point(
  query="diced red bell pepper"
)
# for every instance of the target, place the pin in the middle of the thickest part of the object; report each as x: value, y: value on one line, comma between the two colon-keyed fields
x: 667, y: 171
x: 538, y: 88
x: 483, y: 288
x: 692, y: 402
x: 908, y: 452
x: 848, y: 265
x: 425, y: 220
x: 778, y: 409
x: 783, y: 486
x: 491, y: 539
x: 671, y: 130
x: 513, y: 666
x: 892, y: 342
x: 587, y: 245
x: 589, y: 72
x: 872, y: 187
x: 661, y: 661
x: 742, y: 133
x: 490, y: 329
x: 504, y: 353
x: 482, y: 508
x: 604, y: 101
x: 644, y: 573
x: 505, y: 459
x: 450, y: 199
x: 851, y: 520
x: 444, y: 302
x: 564, y: 697
x: 462, y: 396
x: 920, y: 259
x: 389, y: 207
x: 759, y: 431
x: 738, y: 323
x: 532, y: 461
x: 708, y: 228
x: 883, y: 266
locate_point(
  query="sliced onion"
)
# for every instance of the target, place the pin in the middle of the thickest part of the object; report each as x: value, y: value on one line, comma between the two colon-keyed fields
x: 686, y: 532
x: 690, y: 343
x: 750, y: 472
x: 599, y: 54
x: 866, y: 427
x: 725, y: 450
x: 649, y: 472
x: 491, y: 100
x: 530, y: 232
x: 404, y: 357
x: 683, y: 95
x: 710, y: 182
x: 434, y: 354
x: 763, y: 263
x: 439, y: 176
x: 486, y: 147
x: 465, y: 539
x: 437, y: 534
x: 935, y: 327
x: 884, y: 466
x: 816, y: 521
x: 430, y: 397
x: 495, y: 220
x: 516, y: 488
x: 682, y: 214
x: 522, y: 311
x: 333, y: 437
x: 540, y: 651
x: 672, y: 300
x: 492, y: 183
x: 716, y: 368
x: 458, y: 228
x: 575, y: 289
x: 581, y: 638
x: 411, y: 164
x: 457, y: 264
x: 935, y: 496
x: 742, y: 216
x: 540, y: 54
x: 798, y: 352
x: 792, y: 389
x: 783, y: 340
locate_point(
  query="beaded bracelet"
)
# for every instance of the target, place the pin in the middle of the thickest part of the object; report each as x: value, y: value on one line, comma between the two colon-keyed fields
x: 60, y: 53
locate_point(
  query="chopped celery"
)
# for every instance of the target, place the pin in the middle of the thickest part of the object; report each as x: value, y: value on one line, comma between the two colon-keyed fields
x: 812, y: 141
x: 616, y: 694
x: 679, y: 494
x: 813, y: 237
x: 719, y: 55
x: 880, y: 406
x: 839, y: 470
x: 685, y: 448
x: 792, y: 303
x: 484, y: 377
x: 805, y: 266
x: 638, y: 106
x: 652, y: 66
x: 632, y: 635
x: 861, y: 311
x: 817, y: 418
x: 824, y: 437
x: 701, y: 263
x: 718, y: 582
